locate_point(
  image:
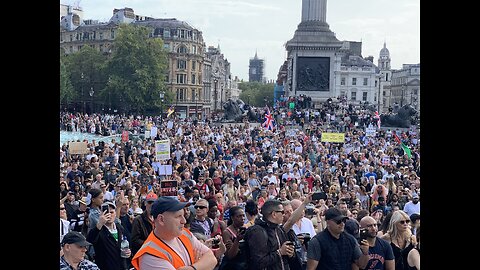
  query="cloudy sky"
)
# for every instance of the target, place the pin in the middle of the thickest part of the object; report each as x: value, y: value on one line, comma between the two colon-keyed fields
x: 242, y: 27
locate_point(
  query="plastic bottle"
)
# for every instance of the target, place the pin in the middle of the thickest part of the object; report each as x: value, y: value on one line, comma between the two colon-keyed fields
x: 124, y: 246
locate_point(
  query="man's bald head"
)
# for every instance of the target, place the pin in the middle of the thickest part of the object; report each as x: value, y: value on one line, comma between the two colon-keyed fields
x: 367, y: 220
x: 295, y: 203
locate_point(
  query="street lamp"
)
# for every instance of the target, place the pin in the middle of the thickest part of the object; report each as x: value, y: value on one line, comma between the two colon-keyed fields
x: 91, y: 92
x: 379, y: 93
x: 403, y: 93
x: 215, y: 81
x: 162, y: 96
x: 83, y: 98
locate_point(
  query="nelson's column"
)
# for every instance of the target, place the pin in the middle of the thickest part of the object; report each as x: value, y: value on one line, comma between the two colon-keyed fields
x: 312, y: 54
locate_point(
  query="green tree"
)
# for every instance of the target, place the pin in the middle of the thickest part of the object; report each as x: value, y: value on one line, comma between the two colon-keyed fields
x: 256, y: 93
x: 66, y: 88
x: 86, y: 68
x: 137, y: 70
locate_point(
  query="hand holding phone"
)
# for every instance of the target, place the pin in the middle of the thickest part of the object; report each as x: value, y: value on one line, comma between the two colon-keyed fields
x: 105, y: 208
x: 363, y: 235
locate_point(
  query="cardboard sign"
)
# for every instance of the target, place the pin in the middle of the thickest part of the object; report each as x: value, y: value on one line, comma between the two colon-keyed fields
x: 169, y: 188
x: 162, y: 149
x: 77, y: 148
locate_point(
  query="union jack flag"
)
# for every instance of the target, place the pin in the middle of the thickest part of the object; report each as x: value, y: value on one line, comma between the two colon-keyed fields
x: 269, y: 121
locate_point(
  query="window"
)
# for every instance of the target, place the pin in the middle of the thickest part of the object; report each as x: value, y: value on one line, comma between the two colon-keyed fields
x: 181, y: 64
x: 71, y: 37
x: 182, y: 33
x: 182, y: 78
x: 354, y: 81
x: 112, y: 34
x: 167, y: 78
x: 365, y: 81
x: 194, y: 65
x: 354, y: 96
x: 166, y: 46
x: 193, y: 95
x: 194, y: 49
x: 166, y: 33
x: 100, y: 35
x: 181, y: 94
x: 193, y: 79
x: 342, y: 81
x: 182, y: 49
x: 364, y: 97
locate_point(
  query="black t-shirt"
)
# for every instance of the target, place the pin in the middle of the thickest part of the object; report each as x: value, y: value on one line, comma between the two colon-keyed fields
x: 378, y: 254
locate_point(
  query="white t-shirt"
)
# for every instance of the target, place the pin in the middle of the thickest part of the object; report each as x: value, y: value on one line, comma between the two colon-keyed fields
x: 150, y: 262
x: 306, y: 226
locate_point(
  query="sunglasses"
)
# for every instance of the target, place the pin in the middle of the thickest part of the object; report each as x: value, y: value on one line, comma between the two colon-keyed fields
x: 404, y: 221
x: 344, y: 220
x: 199, y: 207
x: 281, y: 211
x: 150, y: 202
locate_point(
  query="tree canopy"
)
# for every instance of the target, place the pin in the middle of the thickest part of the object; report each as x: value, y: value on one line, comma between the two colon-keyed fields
x: 255, y: 93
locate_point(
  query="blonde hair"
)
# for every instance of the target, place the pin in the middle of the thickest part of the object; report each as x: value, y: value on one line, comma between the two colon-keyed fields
x: 397, y: 216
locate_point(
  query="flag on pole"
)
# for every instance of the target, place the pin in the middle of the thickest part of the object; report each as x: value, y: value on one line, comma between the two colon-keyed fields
x: 405, y: 148
x: 377, y: 116
x: 170, y: 111
x: 269, y: 122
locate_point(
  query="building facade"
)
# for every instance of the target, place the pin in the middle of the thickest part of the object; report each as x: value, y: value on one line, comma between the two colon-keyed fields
x: 185, y: 47
x: 405, y: 87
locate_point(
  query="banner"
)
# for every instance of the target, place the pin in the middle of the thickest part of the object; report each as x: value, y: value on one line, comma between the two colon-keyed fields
x: 333, y: 137
x: 162, y: 149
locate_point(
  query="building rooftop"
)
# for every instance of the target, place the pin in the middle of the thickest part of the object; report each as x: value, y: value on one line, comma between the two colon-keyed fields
x: 170, y: 23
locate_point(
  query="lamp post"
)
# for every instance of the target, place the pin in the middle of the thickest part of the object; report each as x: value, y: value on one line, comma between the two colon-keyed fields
x: 215, y: 81
x: 162, y: 97
x: 196, y: 97
x: 379, y: 93
x: 403, y: 92
x: 83, y: 98
x: 91, y: 92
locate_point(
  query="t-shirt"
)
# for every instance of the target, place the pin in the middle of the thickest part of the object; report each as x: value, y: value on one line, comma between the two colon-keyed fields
x: 148, y: 261
x: 378, y: 254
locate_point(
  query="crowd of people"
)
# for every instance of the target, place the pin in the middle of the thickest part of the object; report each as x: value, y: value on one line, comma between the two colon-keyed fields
x: 245, y: 197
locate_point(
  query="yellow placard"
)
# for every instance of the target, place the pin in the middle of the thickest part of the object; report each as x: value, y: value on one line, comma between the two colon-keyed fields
x: 333, y: 137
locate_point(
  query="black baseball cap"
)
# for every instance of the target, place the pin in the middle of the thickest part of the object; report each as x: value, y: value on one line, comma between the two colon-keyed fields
x: 74, y: 237
x: 335, y: 214
x: 166, y: 204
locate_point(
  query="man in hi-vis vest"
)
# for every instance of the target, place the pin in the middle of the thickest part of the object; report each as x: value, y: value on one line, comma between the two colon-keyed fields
x: 170, y: 245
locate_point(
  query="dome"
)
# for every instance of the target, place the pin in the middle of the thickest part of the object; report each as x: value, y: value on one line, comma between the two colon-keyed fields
x: 384, y: 51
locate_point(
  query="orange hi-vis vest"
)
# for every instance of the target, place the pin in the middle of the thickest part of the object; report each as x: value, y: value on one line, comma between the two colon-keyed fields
x: 156, y: 247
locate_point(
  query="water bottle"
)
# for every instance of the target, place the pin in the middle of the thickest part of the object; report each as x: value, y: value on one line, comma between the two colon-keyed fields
x: 124, y: 246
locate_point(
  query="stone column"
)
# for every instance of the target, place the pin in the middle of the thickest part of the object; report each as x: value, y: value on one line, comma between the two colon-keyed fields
x: 314, y: 10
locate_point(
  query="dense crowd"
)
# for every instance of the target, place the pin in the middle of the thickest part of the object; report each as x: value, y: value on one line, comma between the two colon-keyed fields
x: 237, y: 176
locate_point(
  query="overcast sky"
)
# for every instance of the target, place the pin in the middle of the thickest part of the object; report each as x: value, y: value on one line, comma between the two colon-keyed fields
x: 242, y: 27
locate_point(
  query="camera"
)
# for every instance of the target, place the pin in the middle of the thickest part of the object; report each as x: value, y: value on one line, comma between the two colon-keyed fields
x: 309, y: 211
x: 215, y: 243
x: 363, y: 235
x: 306, y: 238
x: 319, y: 195
x: 242, y: 230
